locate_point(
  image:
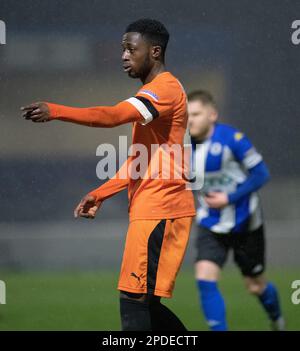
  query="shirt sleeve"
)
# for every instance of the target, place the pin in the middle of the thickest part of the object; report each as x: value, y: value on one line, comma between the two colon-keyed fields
x: 152, y: 101
x: 258, y: 176
x: 244, y: 151
x: 98, y: 116
x: 114, y: 185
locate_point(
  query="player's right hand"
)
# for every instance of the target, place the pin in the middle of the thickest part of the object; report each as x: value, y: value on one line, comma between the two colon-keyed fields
x: 36, y: 112
x: 87, y: 207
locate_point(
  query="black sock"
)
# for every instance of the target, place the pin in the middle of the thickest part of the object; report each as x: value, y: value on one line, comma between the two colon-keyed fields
x: 164, y: 319
x: 135, y: 315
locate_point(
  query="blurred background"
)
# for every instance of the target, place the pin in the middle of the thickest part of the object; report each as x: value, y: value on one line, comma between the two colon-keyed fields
x: 69, y: 52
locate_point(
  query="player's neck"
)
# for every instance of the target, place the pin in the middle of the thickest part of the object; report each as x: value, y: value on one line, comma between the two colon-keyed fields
x: 156, y: 69
x: 210, y: 132
x: 207, y: 135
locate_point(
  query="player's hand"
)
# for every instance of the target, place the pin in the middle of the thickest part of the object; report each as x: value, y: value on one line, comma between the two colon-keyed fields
x: 216, y: 200
x: 87, y: 207
x: 36, y: 112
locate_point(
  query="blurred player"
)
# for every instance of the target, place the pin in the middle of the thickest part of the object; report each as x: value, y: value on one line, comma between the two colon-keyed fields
x: 160, y: 210
x: 229, y: 214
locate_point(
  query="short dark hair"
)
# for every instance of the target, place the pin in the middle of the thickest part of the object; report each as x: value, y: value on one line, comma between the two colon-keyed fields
x: 202, y: 95
x: 154, y: 31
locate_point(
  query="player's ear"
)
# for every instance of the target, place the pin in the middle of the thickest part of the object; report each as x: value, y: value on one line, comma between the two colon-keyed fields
x: 156, y: 51
x: 215, y: 115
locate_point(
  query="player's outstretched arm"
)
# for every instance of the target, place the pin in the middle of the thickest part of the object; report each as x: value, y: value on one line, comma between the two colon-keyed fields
x: 98, y: 116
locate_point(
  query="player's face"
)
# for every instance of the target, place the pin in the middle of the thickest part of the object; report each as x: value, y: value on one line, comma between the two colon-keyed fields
x: 136, y: 55
x: 201, y: 118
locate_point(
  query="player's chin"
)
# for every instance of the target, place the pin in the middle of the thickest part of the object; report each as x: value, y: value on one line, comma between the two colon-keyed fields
x: 133, y: 74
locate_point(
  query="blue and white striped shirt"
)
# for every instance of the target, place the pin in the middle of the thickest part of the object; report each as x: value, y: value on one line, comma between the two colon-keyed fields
x: 232, y: 165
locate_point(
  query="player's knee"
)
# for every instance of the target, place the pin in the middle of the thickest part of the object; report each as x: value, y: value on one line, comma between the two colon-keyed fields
x: 207, y: 270
x: 255, y: 287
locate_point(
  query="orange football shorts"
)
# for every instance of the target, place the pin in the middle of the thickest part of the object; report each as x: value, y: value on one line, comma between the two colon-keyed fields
x: 154, y: 251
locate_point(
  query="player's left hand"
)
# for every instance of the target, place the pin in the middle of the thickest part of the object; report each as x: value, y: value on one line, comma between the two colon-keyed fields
x: 36, y: 112
x: 87, y: 207
x: 216, y: 199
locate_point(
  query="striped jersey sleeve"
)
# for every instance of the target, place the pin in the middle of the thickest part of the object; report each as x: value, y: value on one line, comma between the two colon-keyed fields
x: 244, y: 151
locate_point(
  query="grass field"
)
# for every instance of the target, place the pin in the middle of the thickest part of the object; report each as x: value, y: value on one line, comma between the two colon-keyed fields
x: 89, y: 301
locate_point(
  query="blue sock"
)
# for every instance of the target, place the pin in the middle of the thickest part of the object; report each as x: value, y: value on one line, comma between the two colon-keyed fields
x: 270, y: 301
x: 212, y: 304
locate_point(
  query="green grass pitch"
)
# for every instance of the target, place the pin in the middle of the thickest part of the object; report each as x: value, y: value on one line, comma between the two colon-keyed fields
x: 89, y: 301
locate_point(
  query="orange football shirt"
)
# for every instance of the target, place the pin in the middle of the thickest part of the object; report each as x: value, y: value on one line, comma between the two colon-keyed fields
x: 154, y: 171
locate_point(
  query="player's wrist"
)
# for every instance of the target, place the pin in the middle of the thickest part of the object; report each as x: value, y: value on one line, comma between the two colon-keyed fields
x: 232, y: 198
x: 53, y: 111
x: 96, y: 194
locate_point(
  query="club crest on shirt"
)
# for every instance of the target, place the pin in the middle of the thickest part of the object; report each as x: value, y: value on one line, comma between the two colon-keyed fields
x: 215, y: 149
